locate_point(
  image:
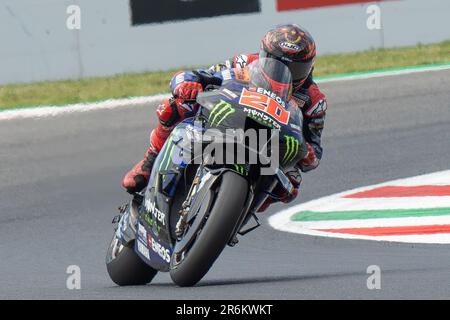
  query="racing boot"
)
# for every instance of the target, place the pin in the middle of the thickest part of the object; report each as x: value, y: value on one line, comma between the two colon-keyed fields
x: 137, y: 178
x: 169, y: 113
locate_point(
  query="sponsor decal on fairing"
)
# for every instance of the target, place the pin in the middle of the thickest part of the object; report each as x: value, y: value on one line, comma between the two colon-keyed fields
x: 226, y: 75
x: 265, y: 103
x: 142, y: 249
x: 142, y: 233
x: 159, y: 249
x: 157, y: 214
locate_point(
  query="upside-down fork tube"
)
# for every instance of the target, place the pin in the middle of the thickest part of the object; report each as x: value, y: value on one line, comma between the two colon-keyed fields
x: 194, y: 228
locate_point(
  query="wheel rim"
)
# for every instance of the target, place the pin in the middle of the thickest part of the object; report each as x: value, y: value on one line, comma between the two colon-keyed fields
x: 181, y: 255
x: 115, y: 248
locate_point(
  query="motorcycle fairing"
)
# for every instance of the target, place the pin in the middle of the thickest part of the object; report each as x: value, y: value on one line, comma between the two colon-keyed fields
x: 222, y: 110
x: 152, y: 251
x: 154, y: 216
x: 219, y: 108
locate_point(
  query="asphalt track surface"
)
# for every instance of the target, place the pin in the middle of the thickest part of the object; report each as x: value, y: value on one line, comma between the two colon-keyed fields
x: 60, y: 187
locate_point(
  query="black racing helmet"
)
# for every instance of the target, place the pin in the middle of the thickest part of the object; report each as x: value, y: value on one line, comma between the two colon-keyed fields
x: 293, y: 46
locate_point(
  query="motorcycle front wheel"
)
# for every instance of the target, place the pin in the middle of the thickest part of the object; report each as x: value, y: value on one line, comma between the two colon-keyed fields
x: 216, y: 232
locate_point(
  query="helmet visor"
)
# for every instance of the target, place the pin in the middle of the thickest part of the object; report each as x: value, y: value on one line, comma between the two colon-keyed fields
x: 299, y: 69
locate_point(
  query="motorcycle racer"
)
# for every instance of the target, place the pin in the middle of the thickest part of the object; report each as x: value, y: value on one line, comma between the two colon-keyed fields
x: 289, y: 44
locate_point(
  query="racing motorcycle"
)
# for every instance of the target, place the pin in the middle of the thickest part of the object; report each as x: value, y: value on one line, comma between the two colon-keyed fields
x: 191, y: 210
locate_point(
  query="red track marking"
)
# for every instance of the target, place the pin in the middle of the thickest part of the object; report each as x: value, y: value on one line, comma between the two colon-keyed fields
x: 399, y: 192
x: 285, y: 5
x: 393, y: 231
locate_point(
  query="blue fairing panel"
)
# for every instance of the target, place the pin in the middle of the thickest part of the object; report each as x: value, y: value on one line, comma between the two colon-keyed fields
x: 154, y: 243
x: 174, y: 156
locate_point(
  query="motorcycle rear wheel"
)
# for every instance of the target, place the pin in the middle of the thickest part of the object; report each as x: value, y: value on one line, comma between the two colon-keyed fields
x: 124, y: 266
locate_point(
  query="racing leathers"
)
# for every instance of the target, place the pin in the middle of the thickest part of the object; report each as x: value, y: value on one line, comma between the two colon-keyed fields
x: 185, y: 87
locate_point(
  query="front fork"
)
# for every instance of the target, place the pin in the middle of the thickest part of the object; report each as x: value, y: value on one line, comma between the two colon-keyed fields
x: 258, y: 193
x: 186, y: 206
x: 257, y: 196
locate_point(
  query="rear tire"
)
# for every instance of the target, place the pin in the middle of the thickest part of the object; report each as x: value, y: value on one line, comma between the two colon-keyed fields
x: 216, y: 232
x: 125, y: 268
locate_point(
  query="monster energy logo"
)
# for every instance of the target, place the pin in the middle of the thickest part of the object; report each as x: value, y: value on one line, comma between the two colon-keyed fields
x: 220, y: 112
x: 240, y: 169
x: 152, y: 223
x: 292, y: 145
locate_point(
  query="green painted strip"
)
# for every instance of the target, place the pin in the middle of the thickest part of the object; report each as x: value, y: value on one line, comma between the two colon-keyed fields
x: 170, y: 156
x: 166, y: 152
x: 368, y: 214
x: 382, y: 72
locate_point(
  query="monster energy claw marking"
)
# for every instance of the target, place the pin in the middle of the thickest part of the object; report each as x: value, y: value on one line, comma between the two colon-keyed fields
x: 292, y: 145
x: 239, y: 168
x: 170, y: 147
x: 220, y: 112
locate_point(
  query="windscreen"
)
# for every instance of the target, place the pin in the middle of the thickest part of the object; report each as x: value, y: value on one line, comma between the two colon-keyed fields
x: 272, y: 75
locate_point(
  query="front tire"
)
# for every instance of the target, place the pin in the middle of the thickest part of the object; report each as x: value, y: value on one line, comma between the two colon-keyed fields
x: 124, y: 266
x: 216, y: 232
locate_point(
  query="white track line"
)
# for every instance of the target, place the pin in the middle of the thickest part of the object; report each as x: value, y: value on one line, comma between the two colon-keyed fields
x: 49, y: 111
x: 443, y: 238
x: 350, y: 204
x: 389, y: 73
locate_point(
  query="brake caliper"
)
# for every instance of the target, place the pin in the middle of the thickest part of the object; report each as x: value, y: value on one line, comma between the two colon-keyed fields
x: 185, y: 207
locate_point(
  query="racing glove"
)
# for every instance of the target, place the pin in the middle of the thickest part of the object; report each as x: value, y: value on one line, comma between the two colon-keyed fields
x: 295, y: 178
x: 186, y: 86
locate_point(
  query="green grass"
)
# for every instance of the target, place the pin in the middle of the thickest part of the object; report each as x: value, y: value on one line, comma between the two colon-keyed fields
x: 383, y: 59
x: 143, y: 84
